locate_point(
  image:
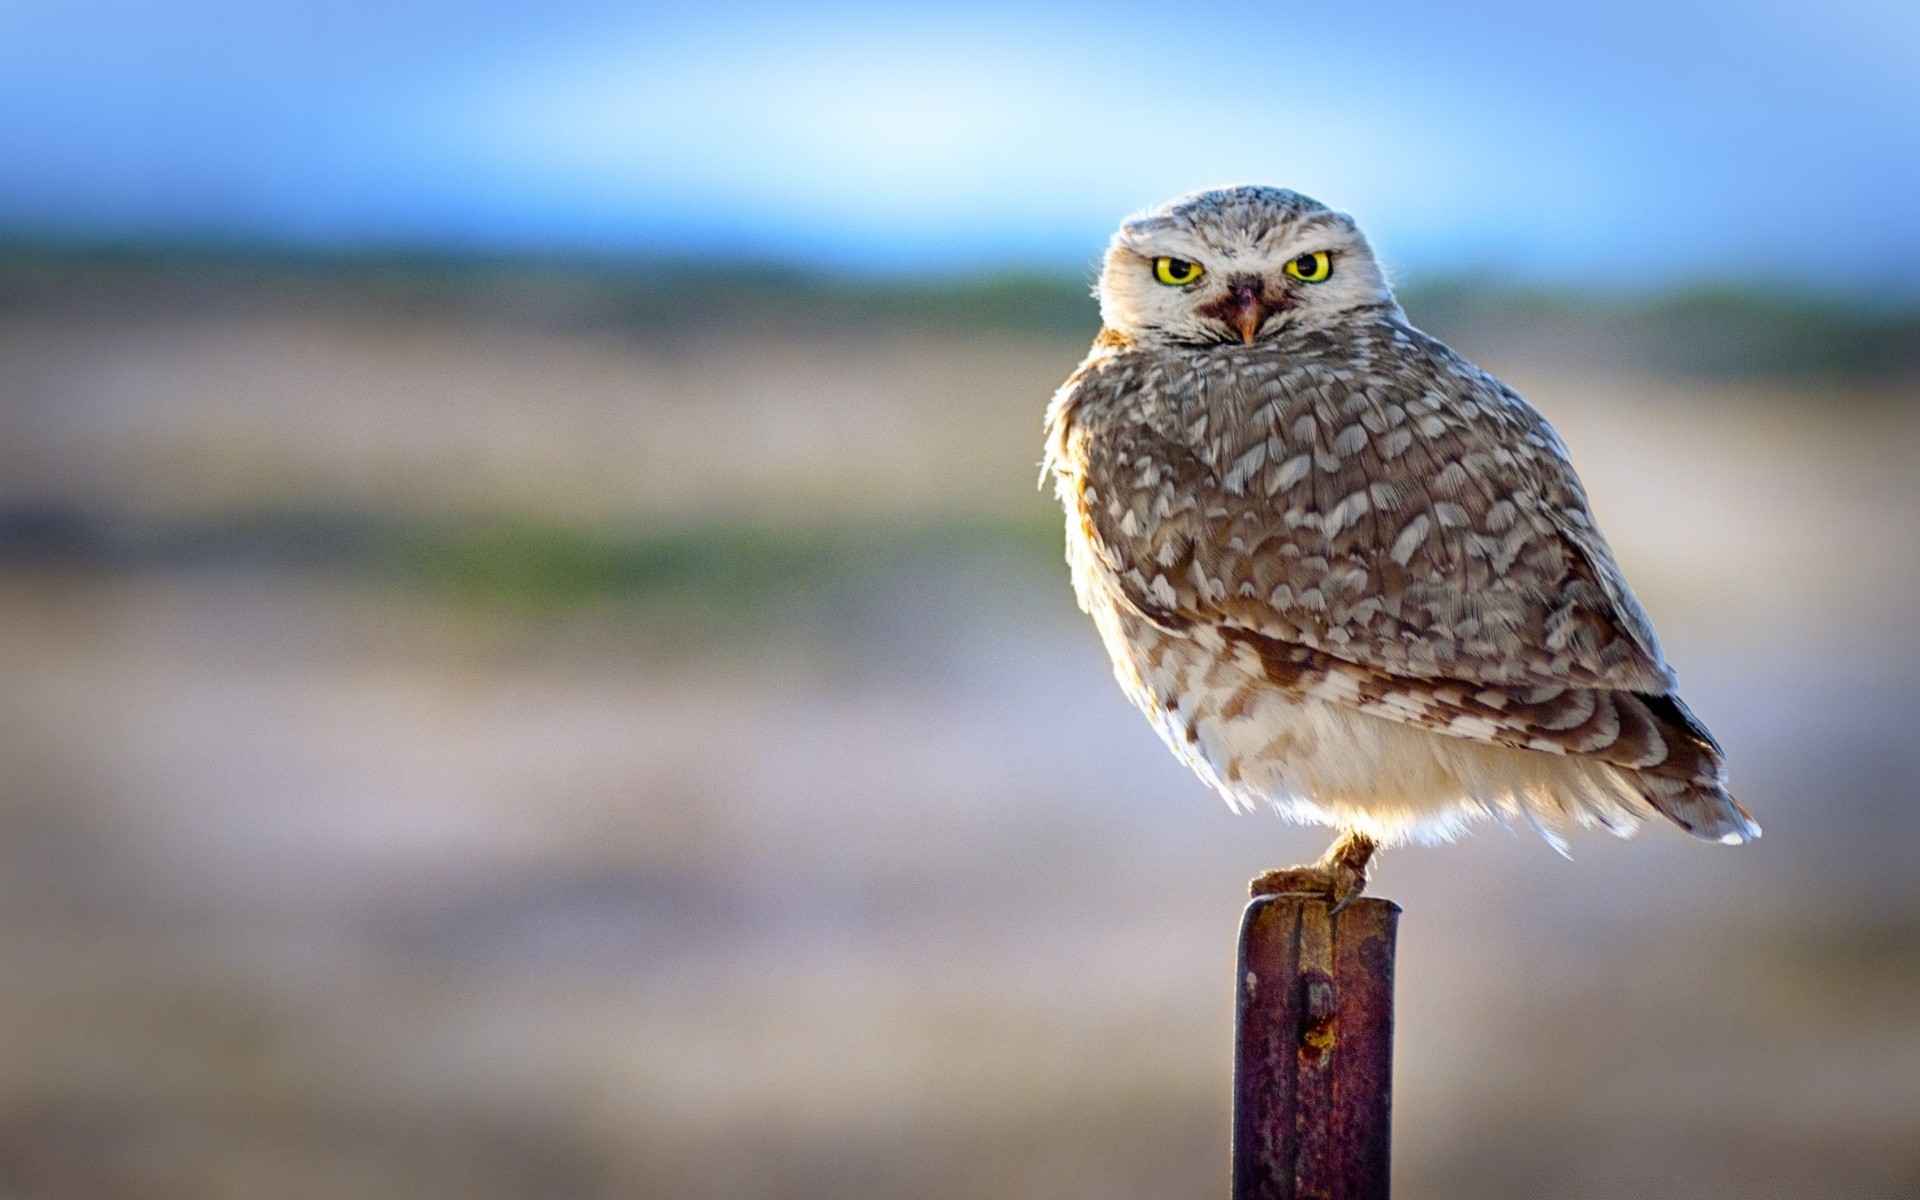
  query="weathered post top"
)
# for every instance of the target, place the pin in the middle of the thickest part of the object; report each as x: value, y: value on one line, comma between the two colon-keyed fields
x: 1313, y: 1065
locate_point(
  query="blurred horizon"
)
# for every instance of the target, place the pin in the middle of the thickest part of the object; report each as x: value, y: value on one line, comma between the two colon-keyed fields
x: 1696, y: 328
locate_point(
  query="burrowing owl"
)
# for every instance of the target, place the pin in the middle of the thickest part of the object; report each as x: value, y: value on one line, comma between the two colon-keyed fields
x: 1344, y: 571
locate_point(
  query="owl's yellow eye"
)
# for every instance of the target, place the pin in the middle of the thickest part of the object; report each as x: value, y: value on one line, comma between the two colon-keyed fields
x: 1311, y: 268
x: 1176, y: 272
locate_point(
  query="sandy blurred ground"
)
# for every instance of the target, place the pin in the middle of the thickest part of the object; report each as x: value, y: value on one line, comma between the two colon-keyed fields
x: 318, y: 886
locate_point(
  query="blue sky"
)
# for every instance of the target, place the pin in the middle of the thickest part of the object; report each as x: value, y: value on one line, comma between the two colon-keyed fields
x: 1628, y: 144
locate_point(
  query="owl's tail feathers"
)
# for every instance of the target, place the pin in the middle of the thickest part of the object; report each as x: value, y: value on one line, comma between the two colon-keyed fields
x: 1704, y: 810
x: 1689, y: 785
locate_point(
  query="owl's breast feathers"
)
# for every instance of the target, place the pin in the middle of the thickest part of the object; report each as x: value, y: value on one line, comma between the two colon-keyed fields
x: 1386, y: 527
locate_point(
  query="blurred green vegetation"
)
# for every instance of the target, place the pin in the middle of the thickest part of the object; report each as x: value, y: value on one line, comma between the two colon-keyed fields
x: 1751, y: 329
x: 726, y: 571
x: 643, y: 296
x: 1715, y: 330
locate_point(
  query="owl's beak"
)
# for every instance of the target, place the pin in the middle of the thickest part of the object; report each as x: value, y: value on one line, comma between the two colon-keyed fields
x: 1244, y: 307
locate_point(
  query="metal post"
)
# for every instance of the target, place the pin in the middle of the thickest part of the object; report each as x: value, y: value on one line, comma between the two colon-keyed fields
x: 1313, y: 1063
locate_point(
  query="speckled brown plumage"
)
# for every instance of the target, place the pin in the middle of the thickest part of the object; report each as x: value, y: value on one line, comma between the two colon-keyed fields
x: 1345, y: 571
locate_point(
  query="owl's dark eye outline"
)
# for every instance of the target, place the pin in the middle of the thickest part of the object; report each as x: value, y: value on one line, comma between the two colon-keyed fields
x: 1313, y: 267
x: 1176, y: 272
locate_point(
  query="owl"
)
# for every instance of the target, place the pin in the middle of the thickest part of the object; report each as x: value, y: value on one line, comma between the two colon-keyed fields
x: 1346, y: 573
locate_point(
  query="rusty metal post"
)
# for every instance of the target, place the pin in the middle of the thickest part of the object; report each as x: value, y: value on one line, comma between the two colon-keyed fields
x: 1313, y: 1062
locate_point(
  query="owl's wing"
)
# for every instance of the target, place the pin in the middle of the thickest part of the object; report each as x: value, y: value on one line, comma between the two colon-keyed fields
x: 1420, y: 518
x: 1411, y: 541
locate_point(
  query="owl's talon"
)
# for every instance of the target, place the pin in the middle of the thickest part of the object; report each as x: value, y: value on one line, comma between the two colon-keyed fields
x: 1355, y: 883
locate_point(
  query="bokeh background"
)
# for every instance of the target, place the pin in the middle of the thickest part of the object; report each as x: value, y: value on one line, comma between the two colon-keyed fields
x: 532, y: 662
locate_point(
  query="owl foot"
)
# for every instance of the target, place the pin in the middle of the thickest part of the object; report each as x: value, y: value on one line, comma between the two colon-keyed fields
x: 1340, y: 875
x: 1338, y: 884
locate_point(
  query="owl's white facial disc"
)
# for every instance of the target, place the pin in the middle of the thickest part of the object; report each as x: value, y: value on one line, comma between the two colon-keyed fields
x: 1243, y: 239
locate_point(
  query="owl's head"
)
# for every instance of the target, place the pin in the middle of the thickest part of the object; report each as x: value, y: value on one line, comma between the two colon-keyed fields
x: 1236, y: 264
